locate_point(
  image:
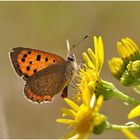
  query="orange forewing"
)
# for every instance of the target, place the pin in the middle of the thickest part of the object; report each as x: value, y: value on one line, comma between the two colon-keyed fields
x: 29, y: 61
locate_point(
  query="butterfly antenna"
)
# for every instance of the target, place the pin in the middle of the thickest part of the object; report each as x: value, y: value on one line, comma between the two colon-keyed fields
x: 86, y: 36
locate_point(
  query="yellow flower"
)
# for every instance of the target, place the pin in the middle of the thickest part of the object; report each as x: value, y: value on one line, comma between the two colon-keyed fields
x: 91, y: 74
x: 92, y: 67
x: 84, y: 118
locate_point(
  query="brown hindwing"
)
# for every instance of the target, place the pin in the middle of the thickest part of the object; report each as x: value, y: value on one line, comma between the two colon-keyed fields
x: 36, y: 98
x: 43, y: 85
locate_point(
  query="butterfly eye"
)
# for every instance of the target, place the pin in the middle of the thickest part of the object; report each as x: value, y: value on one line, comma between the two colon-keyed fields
x: 70, y: 58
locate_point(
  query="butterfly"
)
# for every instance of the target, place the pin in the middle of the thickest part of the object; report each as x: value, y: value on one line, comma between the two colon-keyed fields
x: 46, y: 74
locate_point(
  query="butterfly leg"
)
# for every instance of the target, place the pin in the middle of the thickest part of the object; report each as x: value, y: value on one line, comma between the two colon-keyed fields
x: 78, y: 66
x: 65, y: 92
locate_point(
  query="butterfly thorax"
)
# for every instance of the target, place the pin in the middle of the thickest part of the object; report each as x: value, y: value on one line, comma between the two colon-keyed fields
x: 70, y: 68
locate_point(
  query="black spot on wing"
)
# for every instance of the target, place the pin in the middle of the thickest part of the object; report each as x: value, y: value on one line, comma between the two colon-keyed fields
x: 46, y: 59
x: 29, y: 52
x: 38, y: 57
x: 23, y: 59
x: 35, y: 70
x: 25, y: 55
x: 28, y: 68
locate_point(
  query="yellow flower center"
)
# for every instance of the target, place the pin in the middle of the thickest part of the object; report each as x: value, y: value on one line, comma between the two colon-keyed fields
x: 84, y: 119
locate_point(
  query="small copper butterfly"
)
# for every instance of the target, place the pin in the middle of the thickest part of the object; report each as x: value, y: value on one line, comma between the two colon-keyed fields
x: 46, y: 74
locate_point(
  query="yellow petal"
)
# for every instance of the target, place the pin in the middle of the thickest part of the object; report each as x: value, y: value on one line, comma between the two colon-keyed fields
x: 65, y: 121
x: 70, y: 134
x: 99, y: 103
x: 83, y: 135
x: 120, y: 49
x: 96, y: 51
x: 134, y: 112
x: 127, y: 48
x: 100, y: 53
x: 74, y: 137
x: 73, y: 105
x: 68, y: 112
x: 129, y: 134
x: 88, y: 61
x: 91, y: 55
x: 85, y: 95
x: 133, y: 44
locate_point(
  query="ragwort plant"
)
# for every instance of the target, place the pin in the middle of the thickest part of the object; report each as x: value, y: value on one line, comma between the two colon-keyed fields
x: 84, y: 116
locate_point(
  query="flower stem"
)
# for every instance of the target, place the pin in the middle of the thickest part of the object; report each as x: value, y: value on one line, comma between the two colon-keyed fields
x: 125, y: 98
x: 119, y: 127
x: 109, y: 90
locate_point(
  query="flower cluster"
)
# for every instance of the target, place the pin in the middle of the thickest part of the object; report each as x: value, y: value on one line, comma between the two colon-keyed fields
x: 84, y: 117
x: 126, y: 68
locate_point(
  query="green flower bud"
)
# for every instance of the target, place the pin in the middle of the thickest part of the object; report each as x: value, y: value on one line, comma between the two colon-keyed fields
x: 131, y: 76
x: 100, y: 128
x: 134, y: 68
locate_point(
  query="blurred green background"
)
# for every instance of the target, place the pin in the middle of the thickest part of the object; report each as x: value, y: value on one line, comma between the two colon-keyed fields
x: 46, y: 26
